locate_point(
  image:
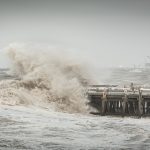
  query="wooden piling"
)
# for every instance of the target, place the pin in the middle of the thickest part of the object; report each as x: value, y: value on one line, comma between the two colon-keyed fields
x: 104, y: 103
x: 140, y: 102
x: 124, y: 104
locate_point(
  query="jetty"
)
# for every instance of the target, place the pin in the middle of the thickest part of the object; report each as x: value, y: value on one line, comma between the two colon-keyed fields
x: 125, y: 101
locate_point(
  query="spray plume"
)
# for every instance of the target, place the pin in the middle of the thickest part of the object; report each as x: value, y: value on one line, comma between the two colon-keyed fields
x: 47, y: 78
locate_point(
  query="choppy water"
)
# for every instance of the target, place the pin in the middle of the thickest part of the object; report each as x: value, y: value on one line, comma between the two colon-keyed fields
x: 45, y: 108
x: 31, y: 127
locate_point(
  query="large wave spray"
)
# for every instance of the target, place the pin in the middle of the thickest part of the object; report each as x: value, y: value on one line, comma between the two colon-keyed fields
x: 48, y: 78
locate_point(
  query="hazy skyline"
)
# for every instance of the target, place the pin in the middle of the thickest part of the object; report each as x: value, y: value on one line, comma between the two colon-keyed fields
x: 110, y: 32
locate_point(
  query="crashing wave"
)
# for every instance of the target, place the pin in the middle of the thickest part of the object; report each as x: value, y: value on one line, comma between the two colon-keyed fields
x: 47, y: 78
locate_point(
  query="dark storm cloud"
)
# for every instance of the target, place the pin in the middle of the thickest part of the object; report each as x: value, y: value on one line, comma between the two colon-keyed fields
x: 107, y: 7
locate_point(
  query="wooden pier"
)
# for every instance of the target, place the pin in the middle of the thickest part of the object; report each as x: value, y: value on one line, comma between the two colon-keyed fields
x: 124, y: 101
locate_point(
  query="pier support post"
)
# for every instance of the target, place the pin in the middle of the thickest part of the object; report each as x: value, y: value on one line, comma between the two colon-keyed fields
x: 104, y: 103
x: 124, y: 103
x: 140, y: 102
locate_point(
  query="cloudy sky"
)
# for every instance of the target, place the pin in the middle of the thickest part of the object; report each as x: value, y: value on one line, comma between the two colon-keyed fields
x: 110, y: 32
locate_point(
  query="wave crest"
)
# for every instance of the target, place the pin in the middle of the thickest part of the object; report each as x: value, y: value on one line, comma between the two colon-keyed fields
x: 47, y: 78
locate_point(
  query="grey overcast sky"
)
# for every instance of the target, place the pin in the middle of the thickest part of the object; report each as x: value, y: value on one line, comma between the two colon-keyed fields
x: 111, y: 32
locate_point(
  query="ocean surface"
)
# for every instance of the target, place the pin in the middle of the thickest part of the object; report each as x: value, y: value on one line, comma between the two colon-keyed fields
x: 32, y: 127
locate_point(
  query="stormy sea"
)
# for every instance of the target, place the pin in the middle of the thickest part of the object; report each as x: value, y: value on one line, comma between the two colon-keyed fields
x: 43, y: 106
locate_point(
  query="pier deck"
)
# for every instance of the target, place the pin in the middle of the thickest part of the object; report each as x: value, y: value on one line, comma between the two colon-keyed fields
x: 114, y: 100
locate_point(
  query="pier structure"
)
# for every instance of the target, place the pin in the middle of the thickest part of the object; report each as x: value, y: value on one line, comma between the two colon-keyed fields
x: 124, y: 101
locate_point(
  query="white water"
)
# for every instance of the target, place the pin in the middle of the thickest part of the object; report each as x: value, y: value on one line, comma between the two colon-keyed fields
x: 34, y: 128
x: 46, y: 108
x: 46, y: 79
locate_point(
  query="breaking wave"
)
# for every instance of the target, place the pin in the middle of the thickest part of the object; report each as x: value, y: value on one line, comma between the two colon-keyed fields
x: 51, y: 79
